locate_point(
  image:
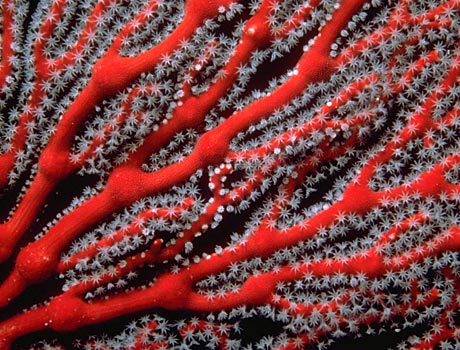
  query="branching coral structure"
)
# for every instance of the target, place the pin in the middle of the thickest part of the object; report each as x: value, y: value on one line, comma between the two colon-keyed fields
x: 189, y: 169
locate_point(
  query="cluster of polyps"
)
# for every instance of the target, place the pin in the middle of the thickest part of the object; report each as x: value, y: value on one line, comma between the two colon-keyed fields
x: 294, y: 163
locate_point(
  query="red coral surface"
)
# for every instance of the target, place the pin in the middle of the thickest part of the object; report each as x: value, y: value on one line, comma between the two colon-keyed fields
x: 227, y: 174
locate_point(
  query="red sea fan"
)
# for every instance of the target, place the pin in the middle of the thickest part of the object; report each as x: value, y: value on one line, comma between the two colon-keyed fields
x: 230, y: 175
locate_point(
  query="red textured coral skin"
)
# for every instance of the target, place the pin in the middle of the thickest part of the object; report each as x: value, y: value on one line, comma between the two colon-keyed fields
x: 39, y: 260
